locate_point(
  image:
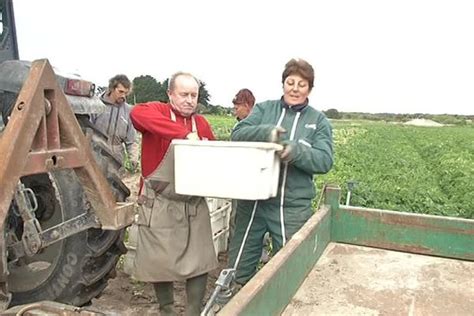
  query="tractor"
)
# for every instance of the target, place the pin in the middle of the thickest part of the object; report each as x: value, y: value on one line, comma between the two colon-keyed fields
x: 62, y: 202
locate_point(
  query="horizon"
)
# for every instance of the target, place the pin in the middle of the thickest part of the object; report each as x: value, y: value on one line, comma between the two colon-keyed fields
x: 379, y: 113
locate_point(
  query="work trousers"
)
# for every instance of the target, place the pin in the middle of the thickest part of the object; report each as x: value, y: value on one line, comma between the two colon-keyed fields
x: 266, y: 219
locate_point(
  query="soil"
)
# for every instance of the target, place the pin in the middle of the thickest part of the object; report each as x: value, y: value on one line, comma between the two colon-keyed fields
x: 125, y: 296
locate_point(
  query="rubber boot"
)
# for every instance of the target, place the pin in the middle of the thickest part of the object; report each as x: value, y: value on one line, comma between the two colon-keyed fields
x: 164, y: 295
x: 266, y: 246
x: 224, y: 296
x: 195, y: 291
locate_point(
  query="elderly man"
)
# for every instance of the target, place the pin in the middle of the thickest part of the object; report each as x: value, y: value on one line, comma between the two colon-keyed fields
x: 174, y: 232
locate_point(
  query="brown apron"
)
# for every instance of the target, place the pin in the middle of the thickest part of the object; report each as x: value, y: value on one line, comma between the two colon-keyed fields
x: 174, y: 239
x: 174, y: 231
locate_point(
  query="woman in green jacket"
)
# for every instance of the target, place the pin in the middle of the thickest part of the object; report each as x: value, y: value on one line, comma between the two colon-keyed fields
x: 307, y: 138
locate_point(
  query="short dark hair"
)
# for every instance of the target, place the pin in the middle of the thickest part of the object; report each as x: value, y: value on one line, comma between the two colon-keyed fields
x: 244, y: 96
x: 172, y: 81
x: 120, y: 79
x: 300, y: 67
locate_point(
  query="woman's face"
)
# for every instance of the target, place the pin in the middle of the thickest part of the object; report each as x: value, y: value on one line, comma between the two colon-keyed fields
x: 295, y: 90
x: 241, y: 110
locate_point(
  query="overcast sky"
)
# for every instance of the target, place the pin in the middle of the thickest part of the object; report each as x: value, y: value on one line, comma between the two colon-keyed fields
x: 400, y: 56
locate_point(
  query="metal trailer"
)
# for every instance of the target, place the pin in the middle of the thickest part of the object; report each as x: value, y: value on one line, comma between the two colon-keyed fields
x: 414, y: 264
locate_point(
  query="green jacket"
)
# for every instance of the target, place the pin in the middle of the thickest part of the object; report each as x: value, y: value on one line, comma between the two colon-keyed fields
x: 312, y: 150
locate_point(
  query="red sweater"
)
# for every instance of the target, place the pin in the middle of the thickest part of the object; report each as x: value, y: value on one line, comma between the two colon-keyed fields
x: 153, y: 120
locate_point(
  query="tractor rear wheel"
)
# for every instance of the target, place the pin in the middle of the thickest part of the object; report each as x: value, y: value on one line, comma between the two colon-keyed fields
x: 76, y: 269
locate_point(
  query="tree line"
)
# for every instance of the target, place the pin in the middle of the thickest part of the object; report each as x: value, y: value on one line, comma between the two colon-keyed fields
x: 454, y: 119
x: 146, y: 88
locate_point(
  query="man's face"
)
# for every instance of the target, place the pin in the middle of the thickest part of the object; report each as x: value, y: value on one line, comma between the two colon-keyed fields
x: 295, y: 90
x: 119, y: 94
x: 184, y: 96
x: 241, y: 110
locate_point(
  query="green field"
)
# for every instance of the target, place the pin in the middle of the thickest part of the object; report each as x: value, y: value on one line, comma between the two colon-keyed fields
x: 406, y: 168
x: 222, y: 125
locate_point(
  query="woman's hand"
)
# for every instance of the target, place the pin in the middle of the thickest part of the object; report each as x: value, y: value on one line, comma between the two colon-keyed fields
x: 275, y: 134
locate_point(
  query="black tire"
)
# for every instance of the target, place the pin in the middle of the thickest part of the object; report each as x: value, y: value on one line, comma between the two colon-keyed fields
x: 74, y: 270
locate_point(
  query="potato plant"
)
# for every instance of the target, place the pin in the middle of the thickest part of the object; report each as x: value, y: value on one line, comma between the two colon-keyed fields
x: 397, y: 167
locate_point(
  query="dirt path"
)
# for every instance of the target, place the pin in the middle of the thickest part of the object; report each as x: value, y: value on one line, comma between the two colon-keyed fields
x: 125, y: 296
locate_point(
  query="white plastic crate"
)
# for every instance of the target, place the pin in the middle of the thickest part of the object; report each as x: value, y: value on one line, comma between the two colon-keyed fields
x: 221, y: 241
x: 212, y: 203
x: 220, y: 210
x: 220, y: 218
x: 215, y: 203
x: 237, y: 170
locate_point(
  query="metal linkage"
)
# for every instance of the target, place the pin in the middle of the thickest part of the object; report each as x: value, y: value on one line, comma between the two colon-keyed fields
x: 223, y: 283
x: 50, y: 236
x: 27, y: 204
x: 351, y: 184
x: 228, y: 276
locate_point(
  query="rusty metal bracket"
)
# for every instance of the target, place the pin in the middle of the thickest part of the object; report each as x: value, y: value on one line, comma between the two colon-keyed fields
x: 53, y: 234
x: 43, y: 135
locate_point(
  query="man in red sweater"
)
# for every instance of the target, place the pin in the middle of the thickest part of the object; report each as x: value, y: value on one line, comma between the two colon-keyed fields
x: 174, y: 234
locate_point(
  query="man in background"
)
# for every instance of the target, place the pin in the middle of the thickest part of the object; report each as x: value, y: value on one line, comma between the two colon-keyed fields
x: 114, y: 123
